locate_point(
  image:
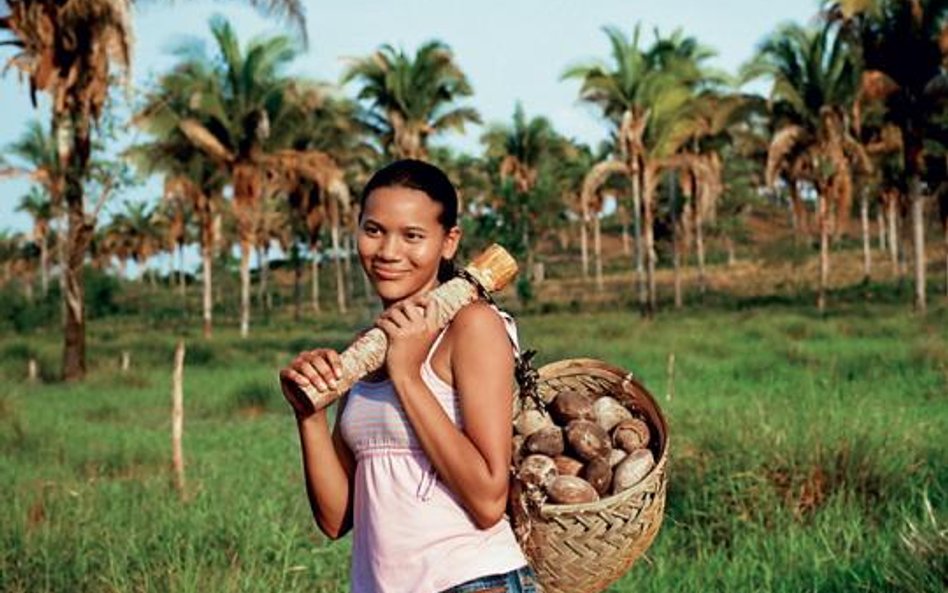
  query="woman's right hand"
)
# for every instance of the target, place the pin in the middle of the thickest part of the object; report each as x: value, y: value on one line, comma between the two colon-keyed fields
x: 320, y: 369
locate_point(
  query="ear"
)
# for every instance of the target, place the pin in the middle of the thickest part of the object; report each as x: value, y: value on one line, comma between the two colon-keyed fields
x: 451, y: 241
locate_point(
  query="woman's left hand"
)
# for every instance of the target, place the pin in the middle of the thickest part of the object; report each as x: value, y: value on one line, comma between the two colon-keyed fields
x: 411, y: 326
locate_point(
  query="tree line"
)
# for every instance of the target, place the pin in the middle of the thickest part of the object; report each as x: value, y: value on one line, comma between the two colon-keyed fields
x: 253, y: 158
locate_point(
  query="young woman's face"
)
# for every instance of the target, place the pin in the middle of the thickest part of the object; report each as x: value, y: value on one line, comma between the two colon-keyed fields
x: 401, y: 242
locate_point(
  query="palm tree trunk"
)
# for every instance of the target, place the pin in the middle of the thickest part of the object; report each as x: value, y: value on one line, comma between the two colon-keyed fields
x: 597, y: 247
x: 894, y: 235
x: 699, y: 249
x: 676, y: 255
x: 624, y: 224
x: 207, y: 257
x: 824, y: 249
x: 346, y: 239
x: 28, y: 279
x: 650, y: 257
x: 676, y: 262
x: 584, y: 240
x: 637, y: 230
x: 315, y: 254
x: 182, y: 281
x: 297, y: 282
x: 263, y: 256
x: 866, y: 239
x: 880, y: 223
x: 799, y: 210
x: 74, y: 330
x: 794, y: 223
x: 44, y: 266
x: 340, y: 276
x: 648, y: 223
x: 918, y: 226
x: 245, y: 288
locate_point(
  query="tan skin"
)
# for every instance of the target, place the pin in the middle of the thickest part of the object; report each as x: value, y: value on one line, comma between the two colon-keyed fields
x: 400, y: 244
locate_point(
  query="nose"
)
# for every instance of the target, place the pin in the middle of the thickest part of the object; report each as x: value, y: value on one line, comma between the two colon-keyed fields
x: 389, y: 247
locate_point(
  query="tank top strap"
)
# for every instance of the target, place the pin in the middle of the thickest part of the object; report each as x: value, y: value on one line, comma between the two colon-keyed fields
x: 436, y: 343
x: 510, y: 325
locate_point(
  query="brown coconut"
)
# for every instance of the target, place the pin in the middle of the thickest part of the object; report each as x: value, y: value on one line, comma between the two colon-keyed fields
x: 632, y: 470
x: 546, y: 441
x: 530, y: 421
x: 537, y: 470
x: 630, y: 435
x: 608, y: 412
x: 616, y: 456
x: 567, y: 466
x: 516, y: 449
x: 571, y: 405
x: 598, y: 473
x: 587, y: 439
x: 571, y: 490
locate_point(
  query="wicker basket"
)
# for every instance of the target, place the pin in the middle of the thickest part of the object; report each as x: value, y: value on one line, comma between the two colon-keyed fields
x: 583, y: 548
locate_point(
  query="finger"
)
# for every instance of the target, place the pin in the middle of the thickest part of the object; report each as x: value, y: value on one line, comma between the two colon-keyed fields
x: 324, y: 368
x: 289, y: 376
x: 387, y: 325
x: 336, y: 362
x: 419, y: 300
x: 401, y: 316
x: 315, y: 378
x: 431, y: 314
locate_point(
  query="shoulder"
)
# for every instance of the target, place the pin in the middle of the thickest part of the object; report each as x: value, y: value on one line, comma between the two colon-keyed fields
x: 478, y: 318
x: 478, y: 330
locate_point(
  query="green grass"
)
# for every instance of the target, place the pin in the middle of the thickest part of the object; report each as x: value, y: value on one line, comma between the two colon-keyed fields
x: 804, y: 453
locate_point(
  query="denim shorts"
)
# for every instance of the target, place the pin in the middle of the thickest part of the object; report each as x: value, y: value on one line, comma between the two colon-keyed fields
x: 522, y: 580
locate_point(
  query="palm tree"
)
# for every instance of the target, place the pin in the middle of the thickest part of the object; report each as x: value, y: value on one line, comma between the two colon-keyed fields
x: 411, y: 99
x: 904, y: 44
x: 172, y: 216
x: 18, y: 258
x: 518, y: 152
x: 40, y: 209
x: 319, y: 123
x: 131, y: 235
x: 191, y: 181
x: 38, y: 160
x: 815, y: 81
x: 705, y: 131
x: 69, y: 48
x: 236, y: 117
x: 642, y: 95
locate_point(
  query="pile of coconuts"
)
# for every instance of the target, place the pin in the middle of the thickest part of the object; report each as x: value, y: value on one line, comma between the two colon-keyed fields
x: 581, y: 448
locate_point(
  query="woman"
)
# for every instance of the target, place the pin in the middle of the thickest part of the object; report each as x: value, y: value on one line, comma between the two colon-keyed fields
x: 417, y: 465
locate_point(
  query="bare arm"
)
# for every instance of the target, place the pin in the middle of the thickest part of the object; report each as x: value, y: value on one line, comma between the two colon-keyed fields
x: 328, y: 464
x: 474, y: 462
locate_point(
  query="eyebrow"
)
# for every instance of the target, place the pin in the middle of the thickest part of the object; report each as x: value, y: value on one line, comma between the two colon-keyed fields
x: 411, y: 227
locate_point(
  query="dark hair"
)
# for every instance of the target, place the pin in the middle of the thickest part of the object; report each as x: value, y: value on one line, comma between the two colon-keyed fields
x: 427, y: 178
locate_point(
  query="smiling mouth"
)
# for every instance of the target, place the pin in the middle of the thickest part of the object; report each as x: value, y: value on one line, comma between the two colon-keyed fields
x: 388, y: 274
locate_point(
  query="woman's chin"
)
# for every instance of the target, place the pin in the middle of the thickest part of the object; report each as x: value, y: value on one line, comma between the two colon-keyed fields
x: 392, y: 292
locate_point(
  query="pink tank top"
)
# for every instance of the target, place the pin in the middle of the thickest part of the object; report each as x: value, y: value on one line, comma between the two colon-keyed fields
x: 410, y: 533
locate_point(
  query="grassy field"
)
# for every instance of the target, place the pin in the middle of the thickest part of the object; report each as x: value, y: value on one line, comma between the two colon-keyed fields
x: 807, y: 453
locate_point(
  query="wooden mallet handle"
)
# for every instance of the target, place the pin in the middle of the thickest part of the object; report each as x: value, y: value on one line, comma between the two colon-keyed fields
x: 493, y: 269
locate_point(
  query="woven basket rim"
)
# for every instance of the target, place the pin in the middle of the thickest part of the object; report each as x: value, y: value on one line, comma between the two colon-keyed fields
x: 564, y: 367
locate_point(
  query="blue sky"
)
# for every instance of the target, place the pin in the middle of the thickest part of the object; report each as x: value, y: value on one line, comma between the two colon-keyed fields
x: 511, y: 50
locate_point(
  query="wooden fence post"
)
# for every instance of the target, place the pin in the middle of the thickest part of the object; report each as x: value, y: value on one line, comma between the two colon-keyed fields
x: 177, y: 419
